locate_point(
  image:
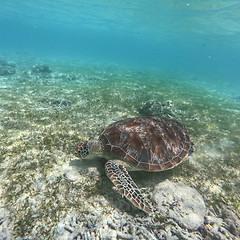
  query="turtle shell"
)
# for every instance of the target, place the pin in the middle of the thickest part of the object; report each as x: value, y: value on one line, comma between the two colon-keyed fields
x: 152, y: 144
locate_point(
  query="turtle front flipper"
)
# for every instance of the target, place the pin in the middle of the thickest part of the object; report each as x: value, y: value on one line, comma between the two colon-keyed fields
x: 124, y: 184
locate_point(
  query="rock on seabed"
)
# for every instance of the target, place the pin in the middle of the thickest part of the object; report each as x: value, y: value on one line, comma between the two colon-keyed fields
x: 180, y: 202
x: 7, y: 68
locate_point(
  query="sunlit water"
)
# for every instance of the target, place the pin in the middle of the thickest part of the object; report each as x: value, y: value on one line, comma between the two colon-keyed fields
x: 108, y: 60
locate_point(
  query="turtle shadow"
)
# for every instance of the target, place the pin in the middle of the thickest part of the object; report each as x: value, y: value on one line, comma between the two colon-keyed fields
x: 82, y: 164
x: 144, y: 180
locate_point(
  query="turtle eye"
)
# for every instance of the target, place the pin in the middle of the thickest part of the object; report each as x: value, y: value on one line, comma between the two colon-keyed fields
x: 81, y: 150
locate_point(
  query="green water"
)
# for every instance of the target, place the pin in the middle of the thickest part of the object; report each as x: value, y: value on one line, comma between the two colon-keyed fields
x: 44, y: 116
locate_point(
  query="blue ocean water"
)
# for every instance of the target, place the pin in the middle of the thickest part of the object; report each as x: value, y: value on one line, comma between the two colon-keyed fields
x: 193, y: 37
x: 68, y: 68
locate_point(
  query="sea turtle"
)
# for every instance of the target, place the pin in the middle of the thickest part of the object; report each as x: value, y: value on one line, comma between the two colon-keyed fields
x: 150, y: 144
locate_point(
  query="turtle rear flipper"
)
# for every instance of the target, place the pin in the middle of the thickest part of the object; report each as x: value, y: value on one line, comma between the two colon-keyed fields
x: 124, y: 184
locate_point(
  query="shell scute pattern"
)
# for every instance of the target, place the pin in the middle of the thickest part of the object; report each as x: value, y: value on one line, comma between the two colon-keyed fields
x: 153, y: 144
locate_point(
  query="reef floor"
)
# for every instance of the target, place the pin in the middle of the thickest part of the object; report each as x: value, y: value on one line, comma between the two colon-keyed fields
x: 46, y: 193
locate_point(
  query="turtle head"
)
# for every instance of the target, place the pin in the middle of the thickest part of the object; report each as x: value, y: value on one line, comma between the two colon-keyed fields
x: 83, y: 149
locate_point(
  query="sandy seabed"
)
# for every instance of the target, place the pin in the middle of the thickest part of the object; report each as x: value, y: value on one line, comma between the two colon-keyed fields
x: 44, y: 112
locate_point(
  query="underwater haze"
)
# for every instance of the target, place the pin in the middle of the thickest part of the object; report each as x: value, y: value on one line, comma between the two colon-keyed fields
x: 68, y: 68
x: 179, y: 36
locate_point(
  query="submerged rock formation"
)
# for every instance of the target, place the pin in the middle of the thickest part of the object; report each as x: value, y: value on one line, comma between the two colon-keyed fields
x: 180, y: 202
x: 41, y: 69
x: 7, y: 68
x: 155, y: 108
